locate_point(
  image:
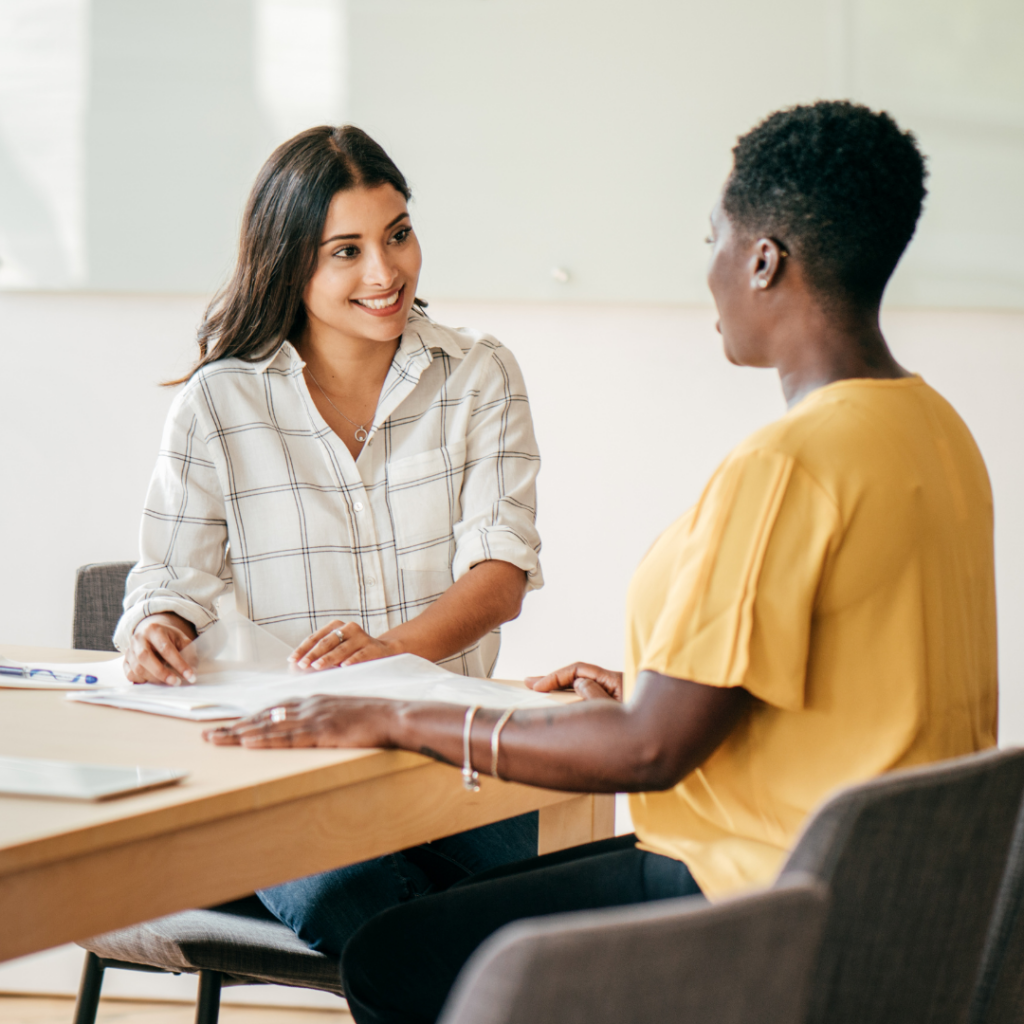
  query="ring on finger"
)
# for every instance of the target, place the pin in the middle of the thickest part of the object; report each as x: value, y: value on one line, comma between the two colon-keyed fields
x: 278, y: 714
x: 339, y: 634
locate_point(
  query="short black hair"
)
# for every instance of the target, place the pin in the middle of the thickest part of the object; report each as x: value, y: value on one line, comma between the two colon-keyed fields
x: 839, y: 185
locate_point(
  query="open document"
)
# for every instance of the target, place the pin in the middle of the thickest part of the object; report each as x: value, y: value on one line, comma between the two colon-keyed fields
x: 242, y: 669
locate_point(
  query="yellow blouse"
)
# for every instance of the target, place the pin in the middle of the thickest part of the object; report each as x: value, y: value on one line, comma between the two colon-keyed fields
x: 839, y: 567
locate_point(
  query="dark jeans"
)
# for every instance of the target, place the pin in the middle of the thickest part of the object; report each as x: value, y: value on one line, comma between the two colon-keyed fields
x: 325, y: 910
x: 399, y: 967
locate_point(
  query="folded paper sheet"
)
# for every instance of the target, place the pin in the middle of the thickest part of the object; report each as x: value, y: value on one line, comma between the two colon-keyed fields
x: 242, y: 669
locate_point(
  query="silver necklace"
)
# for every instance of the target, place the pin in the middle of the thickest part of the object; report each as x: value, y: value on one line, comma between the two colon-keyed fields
x: 361, y: 432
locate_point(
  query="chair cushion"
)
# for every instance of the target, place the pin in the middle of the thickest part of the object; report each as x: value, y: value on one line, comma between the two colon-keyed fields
x: 241, y: 940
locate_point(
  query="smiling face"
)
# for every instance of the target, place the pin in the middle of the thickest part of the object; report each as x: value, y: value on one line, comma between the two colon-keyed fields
x: 735, y: 274
x: 368, y: 265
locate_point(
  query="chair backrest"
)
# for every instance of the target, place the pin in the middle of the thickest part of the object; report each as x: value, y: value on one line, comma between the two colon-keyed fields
x: 99, y: 594
x: 999, y: 994
x: 913, y: 862
x: 664, y: 962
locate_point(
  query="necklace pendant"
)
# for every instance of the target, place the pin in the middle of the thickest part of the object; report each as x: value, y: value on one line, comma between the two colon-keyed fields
x: 361, y: 435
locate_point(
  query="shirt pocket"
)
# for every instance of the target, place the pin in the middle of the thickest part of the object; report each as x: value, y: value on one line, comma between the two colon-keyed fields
x: 424, y: 494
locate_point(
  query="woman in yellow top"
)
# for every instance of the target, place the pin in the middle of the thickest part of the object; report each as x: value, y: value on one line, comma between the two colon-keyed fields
x: 826, y: 611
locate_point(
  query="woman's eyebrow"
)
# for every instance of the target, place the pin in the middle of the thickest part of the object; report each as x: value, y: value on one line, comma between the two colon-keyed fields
x: 342, y: 238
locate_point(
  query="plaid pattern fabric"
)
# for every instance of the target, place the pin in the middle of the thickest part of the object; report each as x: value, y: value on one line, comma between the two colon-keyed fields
x: 253, y: 490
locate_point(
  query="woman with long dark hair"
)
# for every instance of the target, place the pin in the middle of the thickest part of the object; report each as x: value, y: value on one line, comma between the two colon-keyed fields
x: 825, y: 613
x: 361, y: 477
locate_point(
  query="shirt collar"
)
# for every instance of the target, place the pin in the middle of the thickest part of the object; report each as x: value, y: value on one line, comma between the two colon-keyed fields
x: 282, y: 357
x: 423, y: 335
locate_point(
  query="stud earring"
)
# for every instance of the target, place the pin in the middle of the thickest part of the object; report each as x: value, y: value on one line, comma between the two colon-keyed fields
x: 762, y: 283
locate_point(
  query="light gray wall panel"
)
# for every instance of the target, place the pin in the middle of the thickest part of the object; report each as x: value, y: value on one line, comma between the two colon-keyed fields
x: 588, y: 136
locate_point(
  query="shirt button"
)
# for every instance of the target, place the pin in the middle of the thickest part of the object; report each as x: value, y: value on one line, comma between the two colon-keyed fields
x: 371, y: 581
x: 358, y: 506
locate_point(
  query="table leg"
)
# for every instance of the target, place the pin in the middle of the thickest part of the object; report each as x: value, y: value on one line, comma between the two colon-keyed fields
x: 583, y: 820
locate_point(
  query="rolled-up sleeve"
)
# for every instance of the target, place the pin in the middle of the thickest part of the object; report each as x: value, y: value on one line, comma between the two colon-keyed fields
x: 499, y: 491
x: 183, y: 565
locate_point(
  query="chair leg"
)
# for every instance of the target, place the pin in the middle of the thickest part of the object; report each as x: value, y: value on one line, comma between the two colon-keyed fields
x: 208, y: 1005
x: 89, y: 990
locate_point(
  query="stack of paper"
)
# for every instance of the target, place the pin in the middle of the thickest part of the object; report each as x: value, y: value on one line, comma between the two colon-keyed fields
x: 236, y: 693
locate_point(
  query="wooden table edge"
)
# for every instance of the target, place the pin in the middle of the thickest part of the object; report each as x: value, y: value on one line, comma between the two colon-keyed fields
x: 355, y: 766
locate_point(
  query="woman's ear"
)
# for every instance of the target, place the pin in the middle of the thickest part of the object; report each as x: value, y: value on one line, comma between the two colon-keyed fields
x: 767, y: 263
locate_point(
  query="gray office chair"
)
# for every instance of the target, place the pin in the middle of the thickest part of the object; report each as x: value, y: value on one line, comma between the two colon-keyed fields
x: 999, y: 994
x: 99, y: 593
x: 239, y: 943
x: 670, y: 962
x: 913, y: 862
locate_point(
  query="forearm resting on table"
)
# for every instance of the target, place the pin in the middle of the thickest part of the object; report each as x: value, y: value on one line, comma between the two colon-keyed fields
x: 488, y: 595
x: 669, y: 728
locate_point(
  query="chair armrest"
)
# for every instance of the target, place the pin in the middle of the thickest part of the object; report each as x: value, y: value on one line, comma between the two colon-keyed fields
x: 737, y: 961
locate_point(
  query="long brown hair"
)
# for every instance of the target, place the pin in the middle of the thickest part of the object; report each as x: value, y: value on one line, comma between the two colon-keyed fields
x: 262, y: 304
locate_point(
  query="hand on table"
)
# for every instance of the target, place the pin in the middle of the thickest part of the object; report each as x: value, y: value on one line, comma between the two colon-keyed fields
x: 340, y: 643
x: 321, y: 721
x: 153, y: 653
x: 591, y: 682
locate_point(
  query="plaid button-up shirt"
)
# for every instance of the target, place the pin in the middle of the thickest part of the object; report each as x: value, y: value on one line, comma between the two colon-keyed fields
x: 253, y: 490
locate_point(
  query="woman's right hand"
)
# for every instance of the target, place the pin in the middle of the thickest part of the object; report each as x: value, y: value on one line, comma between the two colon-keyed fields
x: 591, y: 682
x: 153, y: 653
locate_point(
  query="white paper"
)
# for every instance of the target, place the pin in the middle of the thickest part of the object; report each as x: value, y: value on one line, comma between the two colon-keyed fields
x: 236, y: 644
x: 242, y: 669
x: 237, y: 693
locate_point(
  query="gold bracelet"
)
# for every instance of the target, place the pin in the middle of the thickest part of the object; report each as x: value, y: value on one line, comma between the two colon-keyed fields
x: 470, y: 778
x: 496, y: 738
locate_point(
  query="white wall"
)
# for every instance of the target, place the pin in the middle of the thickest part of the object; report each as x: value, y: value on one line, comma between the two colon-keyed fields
x: 589, y: 134
x: 595, y: 134
x: 80, y: 422
x: 634, y: 407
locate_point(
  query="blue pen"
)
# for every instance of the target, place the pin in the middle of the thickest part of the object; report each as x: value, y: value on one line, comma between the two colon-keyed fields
x: 45, y: 674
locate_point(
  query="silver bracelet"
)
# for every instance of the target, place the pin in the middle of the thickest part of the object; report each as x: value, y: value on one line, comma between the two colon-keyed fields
x: 470, y: 778
x: 496, y: 739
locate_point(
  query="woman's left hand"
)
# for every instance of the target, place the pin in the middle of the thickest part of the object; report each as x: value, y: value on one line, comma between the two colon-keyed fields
x: 341, y: 643
x: 591, y: 682
x: 321, y: 721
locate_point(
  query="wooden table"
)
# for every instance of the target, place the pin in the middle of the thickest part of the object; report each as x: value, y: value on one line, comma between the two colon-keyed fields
x: 242, y: 820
